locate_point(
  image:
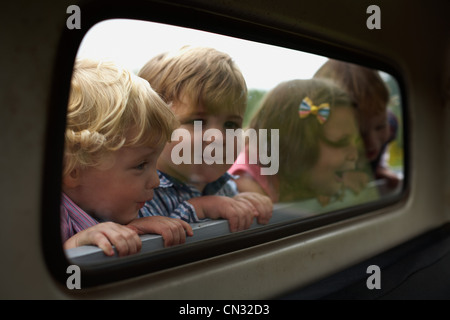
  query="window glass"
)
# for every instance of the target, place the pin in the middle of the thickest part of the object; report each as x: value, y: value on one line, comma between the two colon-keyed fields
x: 302, y: 134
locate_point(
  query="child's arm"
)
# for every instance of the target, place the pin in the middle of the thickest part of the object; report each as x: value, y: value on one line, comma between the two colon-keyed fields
x: 105, y: 235
x: 239, y: 214
x: 248, y: 184
x: 172, y: 230
x: 390, y: 176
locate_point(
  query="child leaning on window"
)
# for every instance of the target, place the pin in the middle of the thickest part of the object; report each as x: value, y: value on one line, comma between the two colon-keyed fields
x: 116, y: 128
x: 377, y: 124
x: 318, y: 144
x: 202, y: 86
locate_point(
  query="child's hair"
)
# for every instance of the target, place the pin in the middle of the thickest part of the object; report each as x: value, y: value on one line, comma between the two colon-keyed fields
x: 299, y: 138
x: 204, y: 75
x: 364, y: 85
x: 110, y: 108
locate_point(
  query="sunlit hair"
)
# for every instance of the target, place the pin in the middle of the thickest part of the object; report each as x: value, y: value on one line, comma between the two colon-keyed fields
x: 205, y: 76
x: 299, y: 138
x: 364, y: 85
x: 110, y: 108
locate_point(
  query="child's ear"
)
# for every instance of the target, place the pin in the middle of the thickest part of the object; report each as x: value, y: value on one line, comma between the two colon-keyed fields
x: 72, y: 179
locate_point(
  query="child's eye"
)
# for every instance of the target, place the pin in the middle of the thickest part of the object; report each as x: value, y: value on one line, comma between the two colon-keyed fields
x: 141, y: 166
x: 344, y: 142
x: 232, y: 125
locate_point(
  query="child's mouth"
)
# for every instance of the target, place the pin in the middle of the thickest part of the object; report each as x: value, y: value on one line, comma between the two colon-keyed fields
x: 339, y: 174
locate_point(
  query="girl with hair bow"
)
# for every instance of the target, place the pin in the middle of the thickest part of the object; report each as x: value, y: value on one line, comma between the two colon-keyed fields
x: 318, y: 142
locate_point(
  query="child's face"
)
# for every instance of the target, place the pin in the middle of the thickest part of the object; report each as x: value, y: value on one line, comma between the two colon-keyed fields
x: 337, y: 152
x: 199, y: 174
x: 374, y: 132
x: 117, y: 190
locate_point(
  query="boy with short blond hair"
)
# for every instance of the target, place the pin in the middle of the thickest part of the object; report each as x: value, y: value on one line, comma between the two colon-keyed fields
x: 202, y: 86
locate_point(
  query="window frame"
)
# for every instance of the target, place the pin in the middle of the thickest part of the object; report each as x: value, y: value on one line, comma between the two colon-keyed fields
x: 184, y: 16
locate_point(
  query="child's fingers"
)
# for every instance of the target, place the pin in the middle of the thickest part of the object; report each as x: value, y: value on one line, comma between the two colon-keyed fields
x: 124, y: 239
x: 242, y: 218
x: 248, y: 206
x: 101, y: 241
x: 264, y: 207
x: 187, y: 228
x: 248, y: 222
x: 241, y: 223
x: 159, y: 225
x: 169, y: 237
x: 249, y: 218
x: 233, y: 223
x: 134, y: 243
x: 175, y: 232
x: 265, y: 218
x: 178, y: 233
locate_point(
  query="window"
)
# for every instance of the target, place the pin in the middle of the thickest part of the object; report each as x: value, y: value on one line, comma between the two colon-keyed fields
x: 358, y: 165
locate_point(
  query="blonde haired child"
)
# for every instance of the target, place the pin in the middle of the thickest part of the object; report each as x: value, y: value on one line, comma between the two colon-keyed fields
x: 116, y: 128
x: 202, y: 86
x: 318, y: 136
x: 377, y: 125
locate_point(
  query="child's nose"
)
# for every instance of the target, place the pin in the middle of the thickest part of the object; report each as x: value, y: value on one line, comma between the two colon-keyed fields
x: 214, y: 135
x: 153, y: 180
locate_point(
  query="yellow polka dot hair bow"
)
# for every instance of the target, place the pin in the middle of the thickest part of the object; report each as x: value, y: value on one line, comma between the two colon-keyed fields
x: 307, y: 107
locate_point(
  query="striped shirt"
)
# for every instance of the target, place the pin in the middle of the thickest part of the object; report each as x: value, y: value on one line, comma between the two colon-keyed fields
x: 170, y: 198
x: 73, y: 218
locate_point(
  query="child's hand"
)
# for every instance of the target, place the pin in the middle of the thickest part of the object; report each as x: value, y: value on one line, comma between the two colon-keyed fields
x: 172, y: 230
x: 355, y: 180
x: 262, y: 204
x: 239, y: 214
x: 105, y: 235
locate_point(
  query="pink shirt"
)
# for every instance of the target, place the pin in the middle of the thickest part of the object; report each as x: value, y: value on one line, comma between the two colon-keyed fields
x: 242, y: 167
